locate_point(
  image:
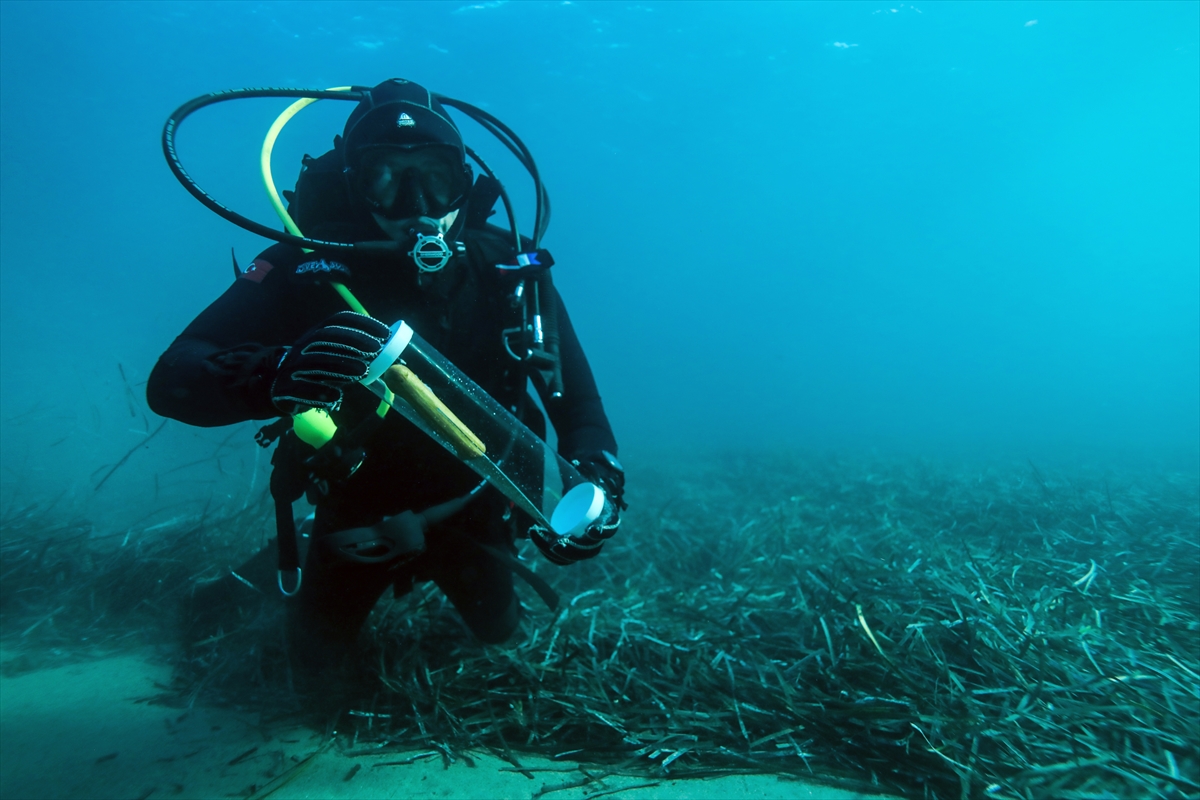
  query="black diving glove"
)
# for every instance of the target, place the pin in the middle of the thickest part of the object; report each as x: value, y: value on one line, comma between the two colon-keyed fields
x: 602, y: 469
x: 325, y: 360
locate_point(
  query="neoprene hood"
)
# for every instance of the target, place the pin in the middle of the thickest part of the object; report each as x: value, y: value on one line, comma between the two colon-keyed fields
x: 378, y: 120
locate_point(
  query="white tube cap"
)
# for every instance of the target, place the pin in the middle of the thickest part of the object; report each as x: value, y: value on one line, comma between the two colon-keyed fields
x: 578, y: 508
x: 401, y: 336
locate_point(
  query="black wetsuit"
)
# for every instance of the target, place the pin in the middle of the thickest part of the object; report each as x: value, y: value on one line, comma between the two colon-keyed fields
x: 460, y: 312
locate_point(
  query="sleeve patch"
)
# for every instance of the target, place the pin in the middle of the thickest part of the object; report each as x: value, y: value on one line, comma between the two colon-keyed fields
x: 320, y: 265
x: 258, y: 270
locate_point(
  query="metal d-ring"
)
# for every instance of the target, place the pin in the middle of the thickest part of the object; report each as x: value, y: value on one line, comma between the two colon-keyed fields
x: 279, y: 580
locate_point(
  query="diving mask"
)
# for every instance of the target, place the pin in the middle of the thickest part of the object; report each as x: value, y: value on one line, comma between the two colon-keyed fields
x: 407, y: 182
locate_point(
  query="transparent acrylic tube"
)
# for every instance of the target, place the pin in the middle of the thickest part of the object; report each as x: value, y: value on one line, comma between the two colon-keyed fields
x: 433, y: 394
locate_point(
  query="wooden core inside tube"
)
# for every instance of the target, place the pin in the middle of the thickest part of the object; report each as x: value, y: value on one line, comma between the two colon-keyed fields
x: 401, y: 380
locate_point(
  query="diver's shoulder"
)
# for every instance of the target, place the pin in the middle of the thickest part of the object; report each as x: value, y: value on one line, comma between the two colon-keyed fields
x: 488, y: 233
x: 492, y: 243
x: 281, y: 266
x: 268, y: 267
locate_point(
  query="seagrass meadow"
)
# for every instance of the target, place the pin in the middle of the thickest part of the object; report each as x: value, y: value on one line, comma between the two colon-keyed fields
x: 897, y: 625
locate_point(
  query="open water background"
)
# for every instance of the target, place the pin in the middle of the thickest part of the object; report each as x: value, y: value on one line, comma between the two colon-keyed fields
x: 936, y: 229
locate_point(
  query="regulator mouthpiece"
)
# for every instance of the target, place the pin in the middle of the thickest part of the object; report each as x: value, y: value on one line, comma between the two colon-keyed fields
x: 431, y: 252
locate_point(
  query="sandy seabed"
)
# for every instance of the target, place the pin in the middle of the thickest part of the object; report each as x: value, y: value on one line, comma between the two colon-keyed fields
x: 927, y: 629
x: 87, y: 730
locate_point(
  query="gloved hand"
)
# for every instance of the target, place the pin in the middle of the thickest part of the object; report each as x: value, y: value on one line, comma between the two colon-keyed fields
x: 325, y: 360
x: 602, y: 469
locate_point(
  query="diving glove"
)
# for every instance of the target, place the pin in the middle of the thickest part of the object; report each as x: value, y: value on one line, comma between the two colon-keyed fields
x: 317, y: 368
x: 602, y: 469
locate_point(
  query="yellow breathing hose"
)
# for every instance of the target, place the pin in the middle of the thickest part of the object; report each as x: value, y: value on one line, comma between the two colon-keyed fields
x: 314, y: 427
x: 265, y: 165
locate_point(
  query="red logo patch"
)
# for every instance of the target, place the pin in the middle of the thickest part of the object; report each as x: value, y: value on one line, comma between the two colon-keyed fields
x: 258, y: 270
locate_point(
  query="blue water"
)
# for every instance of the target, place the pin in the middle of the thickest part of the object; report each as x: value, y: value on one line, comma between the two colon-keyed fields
x: 932, y: 228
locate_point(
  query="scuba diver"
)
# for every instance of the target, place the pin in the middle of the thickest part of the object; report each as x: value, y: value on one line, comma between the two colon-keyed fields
x: 393, y: 507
